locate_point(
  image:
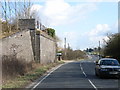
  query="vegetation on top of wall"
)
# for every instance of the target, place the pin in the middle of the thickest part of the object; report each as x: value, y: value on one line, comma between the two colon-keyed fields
x: 51, y: 32
x: 8, y: 29
x: 11, y: 14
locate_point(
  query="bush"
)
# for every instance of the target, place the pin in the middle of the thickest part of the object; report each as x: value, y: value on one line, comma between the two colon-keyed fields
x: 11, y: 67
x: 73, y: 54
x: 51, y: 32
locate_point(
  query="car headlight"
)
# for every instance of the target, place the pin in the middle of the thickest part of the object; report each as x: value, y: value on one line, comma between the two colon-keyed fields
x: 104, y: 69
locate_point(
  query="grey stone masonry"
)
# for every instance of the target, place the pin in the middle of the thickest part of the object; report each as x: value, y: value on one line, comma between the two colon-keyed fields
x: 28, y: 45
x: 18, y: 44
x: 26, y: 24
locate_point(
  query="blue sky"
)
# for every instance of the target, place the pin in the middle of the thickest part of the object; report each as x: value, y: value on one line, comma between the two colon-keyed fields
x: 83, y: 24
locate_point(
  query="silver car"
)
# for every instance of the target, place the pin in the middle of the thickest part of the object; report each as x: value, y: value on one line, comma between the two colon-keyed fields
x: 107, y: 67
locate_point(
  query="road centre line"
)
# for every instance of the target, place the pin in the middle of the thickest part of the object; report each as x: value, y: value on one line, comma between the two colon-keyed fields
x: 83, y: 71
x: 88, y: 78
x: 46, y: 77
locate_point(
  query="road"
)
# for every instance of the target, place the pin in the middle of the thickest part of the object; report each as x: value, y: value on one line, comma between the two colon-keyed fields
x: 78, y: 74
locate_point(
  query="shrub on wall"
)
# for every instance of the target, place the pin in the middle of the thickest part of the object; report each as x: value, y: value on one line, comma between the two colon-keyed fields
x: 51, y: 32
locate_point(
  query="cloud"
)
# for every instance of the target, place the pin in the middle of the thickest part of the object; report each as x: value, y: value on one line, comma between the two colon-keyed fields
x: 59, y: 12
x: 100, y: 29
x: 95, y: 39
x: 71, y: 35
x: 71, y: 38
x: 98, y: 33
x: 93, y: 0
x: 89, y: 38
x: 36, y: 8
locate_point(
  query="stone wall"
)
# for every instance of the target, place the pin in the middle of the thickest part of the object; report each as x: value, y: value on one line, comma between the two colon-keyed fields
x: 47, y: 49
x: 26, y: 24
x: 18, y: 44
x: 28, y: 45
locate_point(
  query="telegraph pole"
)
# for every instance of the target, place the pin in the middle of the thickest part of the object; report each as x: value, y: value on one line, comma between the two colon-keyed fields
x: 68, y: 46
x: 65, y: 47
x: 99, y: 49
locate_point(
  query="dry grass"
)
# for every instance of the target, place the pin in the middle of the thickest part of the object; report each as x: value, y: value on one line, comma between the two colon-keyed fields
x: 6, y: 34
x: 29, y: 76
x: 12, y: 67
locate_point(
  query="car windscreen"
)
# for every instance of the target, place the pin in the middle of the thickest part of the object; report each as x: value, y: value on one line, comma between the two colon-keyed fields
x: 109, y: 62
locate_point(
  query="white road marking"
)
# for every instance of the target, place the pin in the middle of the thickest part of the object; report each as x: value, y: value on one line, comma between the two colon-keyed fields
x: 46, y: 77
x: 88, y: 78
x: 92, y: 84
x: 83, y: 71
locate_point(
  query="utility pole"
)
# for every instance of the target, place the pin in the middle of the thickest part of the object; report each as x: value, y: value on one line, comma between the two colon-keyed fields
x: 65, y: 47
x: 99, y: 49
x: 68, y: 46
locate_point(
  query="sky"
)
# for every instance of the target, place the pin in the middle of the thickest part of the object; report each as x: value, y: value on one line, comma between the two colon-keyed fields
x: 82, y: 22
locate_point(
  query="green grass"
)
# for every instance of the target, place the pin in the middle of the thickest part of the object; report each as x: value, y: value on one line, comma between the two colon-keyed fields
x: 22, y: 81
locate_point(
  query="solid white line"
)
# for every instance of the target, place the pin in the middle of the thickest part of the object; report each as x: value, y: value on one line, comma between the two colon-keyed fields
x: 88, y: 78
x: 46, y: 76
x: 92, y: 84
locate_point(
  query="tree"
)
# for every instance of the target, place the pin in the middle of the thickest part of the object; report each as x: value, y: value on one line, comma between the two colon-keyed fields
x: 89, y: 50
x: 11, y: 12
x: 113, y: 46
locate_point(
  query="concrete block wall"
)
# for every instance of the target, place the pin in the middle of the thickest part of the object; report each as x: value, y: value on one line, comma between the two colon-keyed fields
x: 47, y: 49
x: 26, y: 24
x: 19, y: 44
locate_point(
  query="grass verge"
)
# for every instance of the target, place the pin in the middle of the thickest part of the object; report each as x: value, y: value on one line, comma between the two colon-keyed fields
x: 22, y: 81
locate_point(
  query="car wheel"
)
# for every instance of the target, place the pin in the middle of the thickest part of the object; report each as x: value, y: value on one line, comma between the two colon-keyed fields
x: 101, y: 76
x: 118, y: 77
